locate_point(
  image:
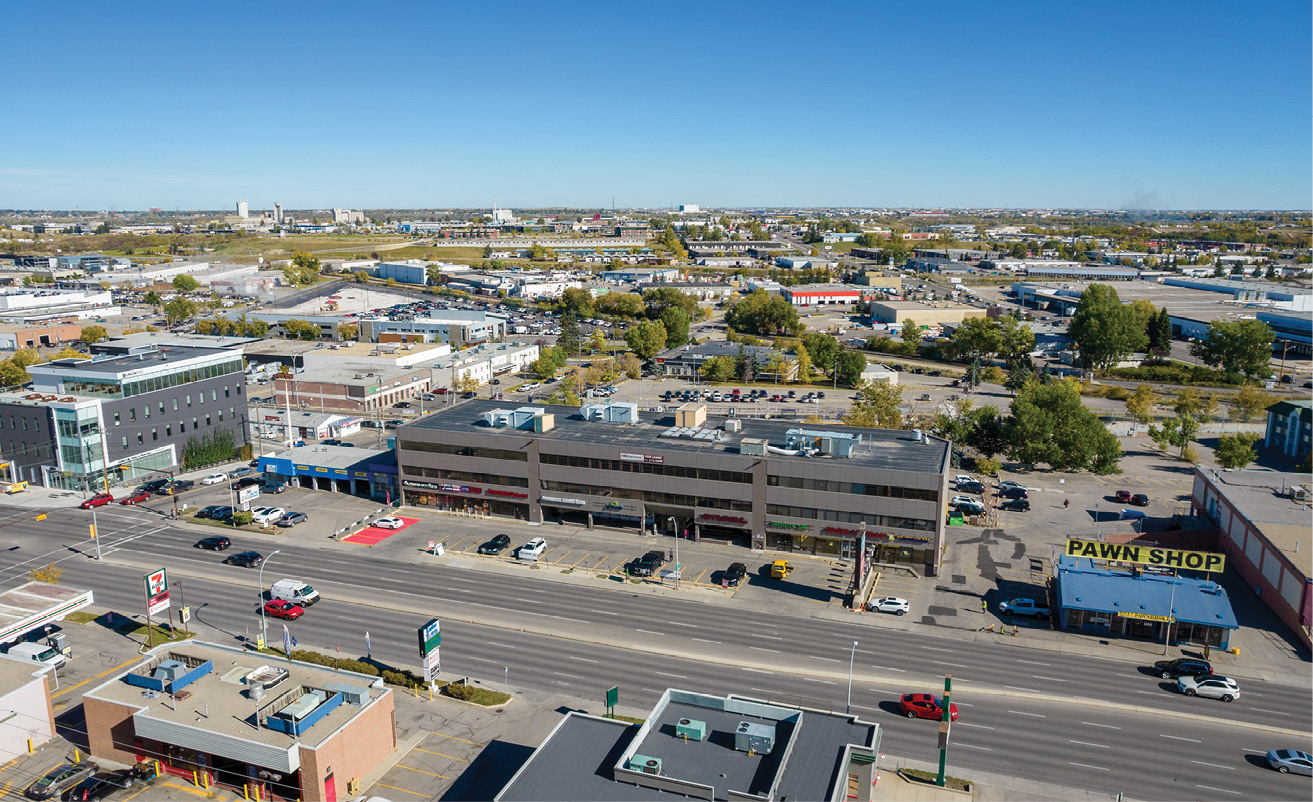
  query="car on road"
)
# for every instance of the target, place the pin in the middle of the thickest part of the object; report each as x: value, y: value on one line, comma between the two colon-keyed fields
x: 283, y: 609
x: 246, y: 559
x: 532, y: 550
x: 1213, y: 686
x: 267, y: 515
x: 1182, y: 667
x: 734, y: 575
x: 496, y: 545
x: 889, y: 604
x: 214, y: 479
x: 239, y: 473
x: 137, y: 497
x: 1290, y: 761
x: 98, y: 500
x: 292, y: 519
x: 154, y: 485
x: 98, y: 786
x: 1015, y: 505
x: 389, y: 523
x: 59, y: 779
x: 332, y: 441
x: 925, y: 705
x: 1024, y: 607
x: 247, y: 481
x: 1140, y: 500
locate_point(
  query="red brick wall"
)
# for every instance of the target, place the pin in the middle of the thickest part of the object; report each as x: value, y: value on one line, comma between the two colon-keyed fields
x: 352, y: 752
x: 110, y: 731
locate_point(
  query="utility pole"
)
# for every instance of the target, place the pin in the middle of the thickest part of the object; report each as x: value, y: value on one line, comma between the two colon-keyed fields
x: 945, y: 724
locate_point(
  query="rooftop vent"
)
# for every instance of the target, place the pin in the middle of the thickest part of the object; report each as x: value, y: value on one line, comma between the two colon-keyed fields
x: 833, y: 444
x: 752, y: 446
x: 756, y: 738
x: 645, y: 764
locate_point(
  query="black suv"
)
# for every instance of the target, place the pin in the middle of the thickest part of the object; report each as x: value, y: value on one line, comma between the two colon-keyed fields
x: 1015, y: 505
x: 1182, y: 667
x: 246, y: 559
x: 648, y: 564
x: 735, y: 574
x: 495, y: 546
x: 155, y: 485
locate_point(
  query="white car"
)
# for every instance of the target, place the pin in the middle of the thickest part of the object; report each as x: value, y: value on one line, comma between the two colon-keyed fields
x: 532, y: 550
x: 889, y: 604
x: 956, y: 500
x: 1010, y: 484
x: 262, y: 515
x: 214, y: 479
x: 1213, y: 686
x: 962, y: 478
x: 531, y: 386
x: 389, y: 523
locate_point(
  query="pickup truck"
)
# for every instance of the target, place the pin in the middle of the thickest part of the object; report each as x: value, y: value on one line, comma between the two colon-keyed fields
x: 1025, y: 607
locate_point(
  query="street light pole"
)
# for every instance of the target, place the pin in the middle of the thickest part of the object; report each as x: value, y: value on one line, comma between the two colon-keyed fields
x: 1167, y: 639
x: 261, y: 581
x: 852, y: 658
x: 674, y: 528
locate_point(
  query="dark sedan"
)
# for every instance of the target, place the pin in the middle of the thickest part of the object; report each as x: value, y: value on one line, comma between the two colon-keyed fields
x: 214, y: 543
x: 734, y: 575
x: 1015, y: 505
x: 98, y: 787
x: 1182, y: 667
x: 59, y: 779
x: 1013, y: 492
x: 1140, y: 500
x: 246, y: 559
x: 496, y: 545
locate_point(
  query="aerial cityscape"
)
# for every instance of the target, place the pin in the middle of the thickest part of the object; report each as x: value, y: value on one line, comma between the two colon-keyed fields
x: 934, y: 425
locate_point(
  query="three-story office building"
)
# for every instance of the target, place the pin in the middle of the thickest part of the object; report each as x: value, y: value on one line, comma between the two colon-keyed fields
x: 766, y: 483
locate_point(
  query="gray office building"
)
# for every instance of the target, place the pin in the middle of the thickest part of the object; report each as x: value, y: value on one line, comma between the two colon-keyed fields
x: 130, y: 414
x: 766, y: 483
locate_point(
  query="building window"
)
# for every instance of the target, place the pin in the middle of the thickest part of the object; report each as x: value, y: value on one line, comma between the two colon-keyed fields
x: 182, y: 426
x: 168, y: 430
x: 226, y: 393
x: 231, y: 414
x: 132, y: 414
x: 125, y: 443
x: 238, y: 387
x: 220, y: 416
x: 207, y: 418
x: 139, y: 438
x: 214, y: 395
x: 11, y: 422
x: 195, y: 424
x: 116, y: 419
x: 154, y: 434
x: 161, y: 407
x: 188, y: 399
x: 175, y: 404
x: 24, y: 424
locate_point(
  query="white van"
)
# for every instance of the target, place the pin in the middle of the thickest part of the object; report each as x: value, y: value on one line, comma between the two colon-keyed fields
x: 37, y: 653
x: 294, y: 591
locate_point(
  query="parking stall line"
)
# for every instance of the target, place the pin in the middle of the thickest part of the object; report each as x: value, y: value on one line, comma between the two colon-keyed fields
x: 439, y: 754
x: 563, y: 557
x: 412, y: 794
x: 581, y: 559
x: 456, y: 546
x: 422, y: 771
x: 457, y: 738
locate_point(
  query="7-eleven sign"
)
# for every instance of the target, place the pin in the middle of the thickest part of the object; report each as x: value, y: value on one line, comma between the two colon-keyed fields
x: 157, y: 591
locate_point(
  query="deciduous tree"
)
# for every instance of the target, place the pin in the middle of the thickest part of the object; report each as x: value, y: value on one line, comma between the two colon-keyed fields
x: 1141, y: 404
x: 849, y: 366
x: 1241, y: 346
x: 93, y: 334
x: 1248, y: 402
x: 675, y: 319
x: 1236, y: 451
x: 1049, y: 425
x: 646, y: 338
x: 1104, y: 329
x: 185, y: 283
x: 876, y: 406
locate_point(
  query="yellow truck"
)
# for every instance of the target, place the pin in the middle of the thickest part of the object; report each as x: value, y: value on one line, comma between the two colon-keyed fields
x: 780, y: 569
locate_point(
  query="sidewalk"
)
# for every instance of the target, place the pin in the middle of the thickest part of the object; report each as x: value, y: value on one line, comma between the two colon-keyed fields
x: 985, y: 786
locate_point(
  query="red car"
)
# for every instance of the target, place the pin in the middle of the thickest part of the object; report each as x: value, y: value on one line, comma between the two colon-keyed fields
x: 1123, y: 497
x: 98, y: 500
x: 925, y: 705
x: 136, y: 498
x: 283, y: 609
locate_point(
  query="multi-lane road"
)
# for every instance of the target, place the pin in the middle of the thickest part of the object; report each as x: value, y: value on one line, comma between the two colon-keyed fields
x: 1100, y: 724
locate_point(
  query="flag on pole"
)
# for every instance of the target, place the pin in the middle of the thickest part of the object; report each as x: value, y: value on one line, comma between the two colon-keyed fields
x: 369, y: 653
x: 287, y: 641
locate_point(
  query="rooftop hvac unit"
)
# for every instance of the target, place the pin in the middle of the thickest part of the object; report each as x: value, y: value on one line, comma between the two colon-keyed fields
x: 757, y: 738
x: 351, y: 694
x: 733, y: 425
x: 255, y: 691
x: 169, y: 670
x: 752, y: 446
x: 691, y: 728
x: 645, y: 764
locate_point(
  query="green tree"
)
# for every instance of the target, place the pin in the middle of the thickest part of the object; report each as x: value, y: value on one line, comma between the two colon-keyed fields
x: 1104, y: 329
x: 68, y: 353
x: 987, y: 431
x: 1049, y: 425
x: 348, y: 332
x: 569, y: 339
x: 93, y: 334
x: 1236, y: 451
x: 185, y: 283
x: 849, y: 366
x: 1190, y: 402
x: 153, y: 299
x: 876, y: 406
x: 576, y: 300
x: 1249, y: 401
x: 361, y: 277
x: 300, y: 330
x: 646, y: 338
x: 978, y: 338
x: 619, y: 304
x: 760, y: 313
x: 718, y: 369
x: 675, y: 320
x: 1241, y: 346
x: 1016, y: 341
x: 823, y: 350
x: 12, y: 375
x: 1141, y: 404
x: 660, y: 299
x: 302, y: 271
x: 178, y: 310
x: 544, y: 367
x: 745, y: 364
x: 1160, y: 332
x: 1176, y: 432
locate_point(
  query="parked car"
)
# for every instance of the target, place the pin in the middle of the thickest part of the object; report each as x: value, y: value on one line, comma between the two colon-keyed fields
x: 1013, y: 492
x: 532, y: 550
x: 274, y: 487
x: 889, y: 604
x: 1004, y: 485
x: 246, y: 559
x: 970, y: 507
x: 1123, y: 496
x: 1015, y: 505
x: 1024, y: 607
x: 780, y: 569
x: 98, y: 786
x: 735, y: 574
x: 955, y: 500
x: 60, y: 779
x: 292, y: 519
x: 389, y: 523
x: 267, y: 515
x: 1132, y: 515
x: 972, y: 486
x: 648, y: 564
x: 1140, y: 500
x: 496, y: 545
x: 238, y: 473
x: 1290, y: 761
x: 402, y: 405
x: 98, y: 500
x: 214, y: 479
x: 283, y: 609
x: 332, y: 441
x: 137, y: 497
x: 1213, y: 686
x: 1181, y: 667
x: 247, y: 482
x: 925, y: 705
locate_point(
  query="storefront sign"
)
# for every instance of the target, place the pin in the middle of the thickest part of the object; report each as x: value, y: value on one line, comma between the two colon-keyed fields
x: 460, y: 489
x: 783, y: 525
x: 722, y: 519
x: 842, y: 530
x: 909, y: 538
x: 615, y: 505
x: 651, y: 459
x: 1144, y: 555
x: 573, y: 502
x: 505, y: 493
x: 1147, y: 617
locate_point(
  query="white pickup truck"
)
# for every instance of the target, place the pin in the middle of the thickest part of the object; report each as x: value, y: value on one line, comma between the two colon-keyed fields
x: 1025, y: 607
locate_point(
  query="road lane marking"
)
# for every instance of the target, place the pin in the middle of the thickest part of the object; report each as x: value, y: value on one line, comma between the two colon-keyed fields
x: 422, y: 771
x: 650, y: 632
x: 439, y: 754
x: 758, y: 670
x: 482, y: 659
x: 1255, y: 751
x: 682, y: 624
x: 1273, y: 712
x: 571, y: 676
x: 1214, y: 765
x: 1087, y: 743
x: 1034, y: 663
x: 1050, y: 679
x: 1088, y: 766
x: 1223, y: 790
x: 977, y: 726
x: 385, y: 785
x: 1023, y: 713
x: 768, y: 637
x: 1015, y: 688
x: 604, y: 612
x: 973, y: 746
x: 1150, y: 693
x: 888, y: 668
x: 1179, y: 738
x: 936, y: 649
x: 1130, y: 676
x: 1105, y: 726
x: 760, y: 649
x: 580, y: 659
x: 954, y: 665
x: 704, y: 640
x: 813, y: 679
x: 674, y: 676
x: 826, y: 659
x: 499, y: 645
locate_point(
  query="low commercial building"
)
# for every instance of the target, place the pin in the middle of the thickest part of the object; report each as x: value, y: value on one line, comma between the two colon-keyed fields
x: 1278, y: 296
x: 704, y: 292
x: 923, y: 312
x: 327, y: 324
x: 874, y: 372
x: 24, y: 305
x: 877, y: 280
x: 641, y: 275
x: 1262, y: 518
x: 1289, y: 424
x: 765, y: 483
x: 272, y: 426
x: 454, y: 326
x: 1293, y: 331
x: 803, y: 262
x: 823, y: 294
x: 412, y: 271
x: 264, y: 727
x: 482, y: 364
x: 28, y: 719
x: 686, y: 361
x: 1080, y: 272
x: 43, y: 336
x: 360, y: 388
x: 363, y: 472
x: 375, y: 355
x: 700, y: 746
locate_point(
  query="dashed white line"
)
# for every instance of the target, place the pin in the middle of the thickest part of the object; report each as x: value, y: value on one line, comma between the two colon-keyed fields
x: 768, y: 637
x: 482, y: 659
x: 1050, y: 679
x: 813, y: 679
x: 499, y: 645
x: 936, y: 649
x: 580, y: 659
x: 664, y: 674
x: 1223, y: 790
x: 1023, y: 713
x: 604, y: 612
x: 1273, y: 712
x: 976, y: 726
x: 1179, y: 738
x: 757, y: 670
x: 1088, y: 766
x: 682, y: 624
x: 1130, y: 676
x: 951, y: 665
x: 1150, y: 693
x: 887, y: 668
x: 1033, y: 663
x: 1105, y: 726
x: 826, y: 659
x: 571, y: 676
x: 1015, y: 688
x: 704, y: 640
x: 650, y: 632
x: 1214, y: 765
x: 1255, y: 751
x: 760, y: 649
x: 1087, y: 743
x: 972, y: 746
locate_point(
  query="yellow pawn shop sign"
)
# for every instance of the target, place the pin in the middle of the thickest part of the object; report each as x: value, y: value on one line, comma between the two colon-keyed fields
x: 1177, y: 559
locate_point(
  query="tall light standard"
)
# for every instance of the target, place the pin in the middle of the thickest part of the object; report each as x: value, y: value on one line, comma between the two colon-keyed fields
x: 1167, y: 640
x: 851, y: 659
x: 674, y: 528
x: 182, y: 604
x: 263, y: 563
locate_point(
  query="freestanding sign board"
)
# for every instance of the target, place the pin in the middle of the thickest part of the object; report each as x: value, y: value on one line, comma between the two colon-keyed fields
x: 157, y: 591
x: 430, y: 641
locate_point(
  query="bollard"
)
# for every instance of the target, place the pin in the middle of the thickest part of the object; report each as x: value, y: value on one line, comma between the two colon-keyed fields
x: 430, y: 693
x: 157, y: 768
x: 77, y: 755
x: 29, y: 746
x: 1014, y: 630
x: 991, y: 628
x: 246, y: 791
x: 196, y: 781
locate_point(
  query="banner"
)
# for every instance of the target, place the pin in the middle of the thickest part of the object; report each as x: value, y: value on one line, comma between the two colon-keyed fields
x: 1147, y: 555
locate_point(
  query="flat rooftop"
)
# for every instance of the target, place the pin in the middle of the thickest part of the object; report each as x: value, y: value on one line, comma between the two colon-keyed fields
x: 15, y: 673
x: 1182, y: 302
x: 33, y: 598
x: 342, y: 457
x: 123, y: 363
x: 886, y: 449
x: 1084, y: 586
x: 144, y: 339
x: 222, y: 692
x: 922, y: 305
x: 1258, y: 496
x: 359, y: 375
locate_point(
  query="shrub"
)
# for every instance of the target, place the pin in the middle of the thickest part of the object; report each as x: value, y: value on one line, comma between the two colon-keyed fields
x: 988, y: 467
x: 1176, y: 373
x: 459, y: 691
x: 1189, y: 454
x: 242, y: 518
x: 992, y: 374
x: 1116, y: 393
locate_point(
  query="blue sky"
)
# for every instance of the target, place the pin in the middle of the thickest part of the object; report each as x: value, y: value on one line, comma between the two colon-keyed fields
x: 428, y: 104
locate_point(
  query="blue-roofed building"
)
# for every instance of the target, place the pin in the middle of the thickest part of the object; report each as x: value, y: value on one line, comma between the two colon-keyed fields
x: 1105, y: 601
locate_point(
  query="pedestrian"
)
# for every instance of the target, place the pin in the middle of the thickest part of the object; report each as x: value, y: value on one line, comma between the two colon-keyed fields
x: 984, y: 606
x: 1066, y: 502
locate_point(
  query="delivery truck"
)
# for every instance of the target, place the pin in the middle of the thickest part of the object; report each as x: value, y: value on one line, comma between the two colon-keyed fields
x: 294, y: 591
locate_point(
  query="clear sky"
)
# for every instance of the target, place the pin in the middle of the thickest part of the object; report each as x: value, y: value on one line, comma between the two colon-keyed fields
x: 440, y: 104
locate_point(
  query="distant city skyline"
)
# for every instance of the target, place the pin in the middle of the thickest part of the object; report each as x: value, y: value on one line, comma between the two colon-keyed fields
x: 1025, y: 106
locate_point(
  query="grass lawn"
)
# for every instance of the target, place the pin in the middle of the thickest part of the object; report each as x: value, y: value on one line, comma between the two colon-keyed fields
x: 955, y: 783
x: 476, y: 694
x: 81, y: 617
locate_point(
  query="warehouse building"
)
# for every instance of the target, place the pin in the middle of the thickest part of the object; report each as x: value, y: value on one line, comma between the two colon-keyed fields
x: 923, y: 312
x: 821, y: 294
x: 265, y: 728
x: 765, y: 483
x: 454, y: 326
x: 352, y: 387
